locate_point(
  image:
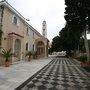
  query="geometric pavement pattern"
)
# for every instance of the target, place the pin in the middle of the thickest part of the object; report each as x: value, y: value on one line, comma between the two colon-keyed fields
x: 59, y: 74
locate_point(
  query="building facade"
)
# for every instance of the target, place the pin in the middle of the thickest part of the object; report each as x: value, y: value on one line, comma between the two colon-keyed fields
x: 20, y: 36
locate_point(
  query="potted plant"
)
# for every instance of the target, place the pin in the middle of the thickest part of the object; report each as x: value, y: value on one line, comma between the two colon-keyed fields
x: 84, y: 63
x: 29, y: 54
x: 83, y: 60
x: 6, y: 54
x: 34, y: 54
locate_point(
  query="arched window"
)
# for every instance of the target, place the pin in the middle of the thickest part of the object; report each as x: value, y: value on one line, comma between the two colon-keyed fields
x: 40, y: 43
x: 33, y: 47
x: 15, y: 20
x: 27, y: 31
x: 26, y: 46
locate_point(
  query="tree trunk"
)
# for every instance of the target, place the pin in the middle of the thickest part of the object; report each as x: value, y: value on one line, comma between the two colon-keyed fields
x: 86, y: 45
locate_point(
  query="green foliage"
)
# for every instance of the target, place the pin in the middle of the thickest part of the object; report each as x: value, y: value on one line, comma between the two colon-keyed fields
x: 77, y: 16
x: 66, y: 41
x: 55, y: 44
x: 77, y: 13
x: 34, y: 54
x: 82, y: 58
x: 69, y: 38
x: 81, y: 45
x: 6, y: 54
x: 29, y: 53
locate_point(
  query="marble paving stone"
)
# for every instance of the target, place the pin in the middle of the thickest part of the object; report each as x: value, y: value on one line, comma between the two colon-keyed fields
x: 13, y: 76
x: 59, y: 74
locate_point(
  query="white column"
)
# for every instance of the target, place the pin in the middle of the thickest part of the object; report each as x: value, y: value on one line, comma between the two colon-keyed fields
x: 45, y: 51
x: 13, y: 42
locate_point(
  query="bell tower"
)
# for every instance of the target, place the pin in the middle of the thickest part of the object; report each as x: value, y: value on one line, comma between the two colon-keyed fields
x: 44, y: 29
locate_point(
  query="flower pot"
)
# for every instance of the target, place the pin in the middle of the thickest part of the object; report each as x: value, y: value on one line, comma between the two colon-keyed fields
x: 7, y: 64
x: 83, y: 64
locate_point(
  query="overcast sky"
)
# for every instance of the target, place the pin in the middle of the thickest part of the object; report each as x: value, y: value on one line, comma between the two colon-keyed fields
x: 38, y: 10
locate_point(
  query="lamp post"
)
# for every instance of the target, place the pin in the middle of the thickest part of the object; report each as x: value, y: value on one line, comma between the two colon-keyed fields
x: 27, y: 19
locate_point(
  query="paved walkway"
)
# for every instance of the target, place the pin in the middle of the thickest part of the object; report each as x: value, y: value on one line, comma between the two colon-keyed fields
x: 13, y: 76
x: 59, y: 74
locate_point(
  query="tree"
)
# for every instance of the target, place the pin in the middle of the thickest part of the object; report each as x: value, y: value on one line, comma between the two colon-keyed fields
x: 81, y: 47
x: 69, y: 39
x: 77, y: 14
x: 55, y: 44
x: 6, y: 54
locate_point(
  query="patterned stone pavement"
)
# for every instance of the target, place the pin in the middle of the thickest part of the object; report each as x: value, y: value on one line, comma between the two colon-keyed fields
x: 59, y: 74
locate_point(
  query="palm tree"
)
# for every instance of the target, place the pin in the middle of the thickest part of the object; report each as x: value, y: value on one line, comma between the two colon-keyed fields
x: 6, y: 54
x: 34, y: 54
x: 29, y: 54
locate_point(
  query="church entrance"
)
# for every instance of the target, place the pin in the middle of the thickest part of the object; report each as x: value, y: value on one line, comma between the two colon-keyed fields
x: 17, y: 48
x: 40, y: 49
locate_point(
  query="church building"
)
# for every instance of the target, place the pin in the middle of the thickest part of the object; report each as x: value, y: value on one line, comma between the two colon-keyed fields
x: 19, y: 35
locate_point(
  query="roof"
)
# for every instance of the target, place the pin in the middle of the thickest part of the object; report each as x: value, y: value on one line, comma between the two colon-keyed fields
x: 13, y: 33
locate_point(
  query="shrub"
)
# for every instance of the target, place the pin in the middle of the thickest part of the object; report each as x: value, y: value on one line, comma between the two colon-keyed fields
x: 29, y: 54
x: 6, y: 54
x: 34, y: 54
x: 82, y: 58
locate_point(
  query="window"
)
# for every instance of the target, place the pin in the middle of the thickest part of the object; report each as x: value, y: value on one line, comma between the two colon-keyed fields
x: 43, y: 24
x: 0, y: 16
x: 27, y: 31
x: 43, y: 29
x: 33, y: 34
x: 26, y: 46
x: 33, y: 47
x: 15, y: 20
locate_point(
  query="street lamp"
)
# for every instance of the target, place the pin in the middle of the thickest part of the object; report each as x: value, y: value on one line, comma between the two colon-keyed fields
x: 27, y: 19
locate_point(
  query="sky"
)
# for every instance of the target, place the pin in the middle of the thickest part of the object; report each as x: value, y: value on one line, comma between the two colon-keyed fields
x: 52, y: 11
